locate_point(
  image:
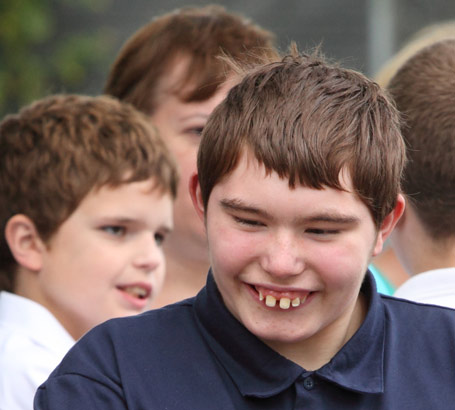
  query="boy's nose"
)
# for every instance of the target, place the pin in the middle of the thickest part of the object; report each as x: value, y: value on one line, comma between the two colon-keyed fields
x: 149, y: 255
x: 283, y: 257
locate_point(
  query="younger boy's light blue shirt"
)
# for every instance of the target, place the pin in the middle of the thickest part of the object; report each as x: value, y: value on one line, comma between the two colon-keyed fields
x: 383, y: 285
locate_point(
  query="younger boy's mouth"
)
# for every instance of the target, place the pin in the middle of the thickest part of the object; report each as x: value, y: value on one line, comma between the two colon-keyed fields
x: 136, y: 290
x: 285, y: 300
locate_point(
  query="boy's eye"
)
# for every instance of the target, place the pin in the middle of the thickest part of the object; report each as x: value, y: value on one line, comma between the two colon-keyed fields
x: 318, y: 231
x: 197, y: 131
x: 248, y: 222
x: 114, y: 230
x: 159, y: 238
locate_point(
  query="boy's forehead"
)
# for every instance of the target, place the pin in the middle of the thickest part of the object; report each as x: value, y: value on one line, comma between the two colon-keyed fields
x: 253, y: 189
x: 149, y: 185
x: 248, y: 165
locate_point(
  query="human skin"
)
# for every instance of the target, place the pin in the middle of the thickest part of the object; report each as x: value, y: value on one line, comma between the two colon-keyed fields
x: 301, y: 244
x: 106, y: 260
x: 417, y: 250
x: 389, y: 265
x: 180, y: 124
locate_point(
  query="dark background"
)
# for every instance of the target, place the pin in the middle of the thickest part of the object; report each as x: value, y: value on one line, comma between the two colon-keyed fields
x: 362, y: 34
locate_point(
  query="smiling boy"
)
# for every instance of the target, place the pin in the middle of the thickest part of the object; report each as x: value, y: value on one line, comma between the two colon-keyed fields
x: 298, y: 186
x: 86, y: 194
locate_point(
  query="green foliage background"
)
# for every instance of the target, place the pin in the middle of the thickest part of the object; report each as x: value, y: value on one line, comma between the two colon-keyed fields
x: 40, y: 53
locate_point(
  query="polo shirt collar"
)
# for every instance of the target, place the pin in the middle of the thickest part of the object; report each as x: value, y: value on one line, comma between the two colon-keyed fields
x: 359, y: 365
x: 259, y: 371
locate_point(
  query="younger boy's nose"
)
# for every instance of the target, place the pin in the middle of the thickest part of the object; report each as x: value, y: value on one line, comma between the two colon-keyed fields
x: 148, y: 254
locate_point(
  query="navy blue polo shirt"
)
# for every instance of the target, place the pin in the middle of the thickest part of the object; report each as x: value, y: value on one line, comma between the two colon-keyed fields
x: 194, y: 355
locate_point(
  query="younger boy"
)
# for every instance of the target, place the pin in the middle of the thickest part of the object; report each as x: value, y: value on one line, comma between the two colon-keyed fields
x: 298, y: 186
x: 424, y: 240
x: 86, y: 192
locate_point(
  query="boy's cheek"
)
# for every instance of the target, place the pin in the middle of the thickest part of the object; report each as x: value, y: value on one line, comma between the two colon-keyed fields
x: 337, y: 265
x: 225, y: 257
x: 230, y: 254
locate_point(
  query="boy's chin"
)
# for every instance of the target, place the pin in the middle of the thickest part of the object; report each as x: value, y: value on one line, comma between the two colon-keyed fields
x: 285, y: 334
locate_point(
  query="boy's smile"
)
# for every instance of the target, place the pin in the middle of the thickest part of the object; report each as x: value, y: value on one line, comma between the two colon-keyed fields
x: 289, y: 263
x: 282, y: 298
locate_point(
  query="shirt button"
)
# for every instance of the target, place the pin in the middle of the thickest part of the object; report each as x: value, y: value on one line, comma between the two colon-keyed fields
x: 308, y: 383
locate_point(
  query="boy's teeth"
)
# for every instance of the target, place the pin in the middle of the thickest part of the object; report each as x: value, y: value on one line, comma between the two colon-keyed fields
x: 285, y: 303
x: 270, y: 301
x: 136, y: 291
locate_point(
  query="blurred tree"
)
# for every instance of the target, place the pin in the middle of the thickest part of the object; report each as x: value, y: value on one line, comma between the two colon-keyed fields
x: 41, y: 53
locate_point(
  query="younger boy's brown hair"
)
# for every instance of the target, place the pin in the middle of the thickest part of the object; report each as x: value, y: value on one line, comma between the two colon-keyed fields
x: 424, y: 91
x: 308, y: 120
x: 199, y: 34
x: 57, y: 150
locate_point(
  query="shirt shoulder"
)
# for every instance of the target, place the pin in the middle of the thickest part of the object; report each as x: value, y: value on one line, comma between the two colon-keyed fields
x: 416, y: 325
x: 24, y: 366
x: 144, y: 359
x: 122, y: 341
x: 435, y: 287
x: 400, y: 304
x: 403, y: 306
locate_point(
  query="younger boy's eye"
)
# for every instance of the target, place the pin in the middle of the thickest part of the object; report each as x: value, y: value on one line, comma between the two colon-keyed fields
x: 159, y: 238
x: 114, y: 230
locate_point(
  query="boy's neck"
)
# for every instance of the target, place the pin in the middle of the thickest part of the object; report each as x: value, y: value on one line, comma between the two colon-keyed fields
x: 315, y: 352
x: 426, y: 252
x: 419, y: 251
x: 432, y: 255
x: 26, y: 284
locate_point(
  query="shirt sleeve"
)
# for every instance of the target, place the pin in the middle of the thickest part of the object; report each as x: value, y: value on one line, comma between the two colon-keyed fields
x: 77, y: 392
x: 87, y: 378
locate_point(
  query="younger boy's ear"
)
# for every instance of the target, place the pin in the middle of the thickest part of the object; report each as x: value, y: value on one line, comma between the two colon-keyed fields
x: 196, y: 196
x: 388, y: 224
x: 24, y: 242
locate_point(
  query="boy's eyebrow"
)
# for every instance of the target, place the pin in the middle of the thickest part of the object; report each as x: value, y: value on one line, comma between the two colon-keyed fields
x: 238, y: 205
x: 323, y: 216
x: 126, y: 220
x: 333, y: 217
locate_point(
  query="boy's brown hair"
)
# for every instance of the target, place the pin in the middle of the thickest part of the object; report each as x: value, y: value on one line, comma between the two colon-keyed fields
x: 200, y: 34
x: 308, y: 120
x: 56, y: 150
x: 424, y: 92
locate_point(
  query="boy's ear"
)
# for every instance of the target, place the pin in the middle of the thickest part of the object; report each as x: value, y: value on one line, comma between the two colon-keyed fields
x: 24, y: 242
x: 389, y: 223
x: 195, y: 192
